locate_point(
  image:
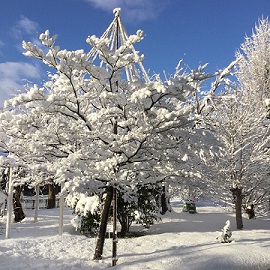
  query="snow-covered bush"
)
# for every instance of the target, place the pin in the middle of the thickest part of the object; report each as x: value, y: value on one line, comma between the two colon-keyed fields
x: 226, y: 234
x: 87, y: 212
x: 250, y: 211
x: 126, y: 207
x: 141, y: 206
x: 148, y: 207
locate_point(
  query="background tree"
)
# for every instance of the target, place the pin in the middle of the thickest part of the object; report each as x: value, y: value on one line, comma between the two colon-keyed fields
x: 239, y: 119
x: 243, y: 167
x: 253, y: 71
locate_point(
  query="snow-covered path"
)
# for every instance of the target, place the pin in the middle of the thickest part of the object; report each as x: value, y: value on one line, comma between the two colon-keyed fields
x: 181, y: 241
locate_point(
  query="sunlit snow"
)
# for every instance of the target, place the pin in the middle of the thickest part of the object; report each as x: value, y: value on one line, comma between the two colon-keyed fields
x: 180, y: 241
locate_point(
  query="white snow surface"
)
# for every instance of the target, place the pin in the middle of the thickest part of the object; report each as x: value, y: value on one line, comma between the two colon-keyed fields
x: 180, y: 241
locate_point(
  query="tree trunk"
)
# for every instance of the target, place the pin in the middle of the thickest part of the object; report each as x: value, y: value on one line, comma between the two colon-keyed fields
x: 237, y: 194
x: 51, y: 196
x: 4, y: 180
x: 123, y: 215
x: 164, y: 205
x: 17, y: 206
x: 124, y: 226
x: 103, y: 225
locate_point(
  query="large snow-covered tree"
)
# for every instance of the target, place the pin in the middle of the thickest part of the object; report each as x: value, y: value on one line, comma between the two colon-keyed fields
x: 239, y: 119
x: 242, y: 168
x: 253, y: 71
x: 96, y: 129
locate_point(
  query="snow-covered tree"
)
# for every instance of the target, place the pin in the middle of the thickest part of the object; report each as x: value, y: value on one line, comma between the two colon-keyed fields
x: 226, y: 234
x: 242, y: 169
x: 253, y: 71
x: 239, y: 118
x: 96, y: 129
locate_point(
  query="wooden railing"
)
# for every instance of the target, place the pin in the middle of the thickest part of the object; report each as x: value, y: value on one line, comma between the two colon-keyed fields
x: 30, y: 201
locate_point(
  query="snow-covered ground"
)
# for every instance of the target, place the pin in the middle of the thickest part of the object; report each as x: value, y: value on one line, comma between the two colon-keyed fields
x: 180, y: 241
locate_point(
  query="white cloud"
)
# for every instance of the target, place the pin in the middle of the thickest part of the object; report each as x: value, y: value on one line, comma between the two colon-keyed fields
x: 25, y: 26
x: 25, y: 29
x: 12, y: 76
x: 135, y: 9
x: 30, y: 27
x: 105, y: 4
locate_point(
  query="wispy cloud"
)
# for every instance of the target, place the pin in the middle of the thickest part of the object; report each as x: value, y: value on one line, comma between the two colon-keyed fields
x: 12, y: 76
x: 2, y: 44
x: 25, y: 29
x: 24, y: 26
x: 136, y: 9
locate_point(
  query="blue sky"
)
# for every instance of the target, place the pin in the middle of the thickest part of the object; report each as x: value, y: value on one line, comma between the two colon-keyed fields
x: 199, y: 31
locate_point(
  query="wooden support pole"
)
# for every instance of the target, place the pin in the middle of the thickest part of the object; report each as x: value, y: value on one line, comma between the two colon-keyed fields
x: 36, y: 203
x: 9, y: 204
x: 61, y: 205
x: 114, y: 239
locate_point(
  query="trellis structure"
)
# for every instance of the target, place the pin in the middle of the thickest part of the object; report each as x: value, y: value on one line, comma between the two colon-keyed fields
x: 117, y: 35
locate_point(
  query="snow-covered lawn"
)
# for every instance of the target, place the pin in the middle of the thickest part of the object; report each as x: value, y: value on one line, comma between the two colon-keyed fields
x: 181, y: 241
